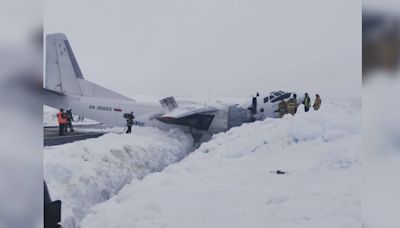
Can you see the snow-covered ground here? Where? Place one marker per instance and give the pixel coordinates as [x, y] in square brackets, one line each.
[85, 173]
[227, 182]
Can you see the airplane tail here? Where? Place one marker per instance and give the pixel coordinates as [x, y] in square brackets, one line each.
[63, 74]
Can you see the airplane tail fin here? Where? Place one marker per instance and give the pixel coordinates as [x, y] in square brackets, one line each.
[63, 74]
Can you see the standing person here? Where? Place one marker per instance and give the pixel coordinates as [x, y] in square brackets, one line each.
[317, 102]
[80, 118]
[70, 118]
[129, 122]
[62, 120]
[283, 108]
[306, 102]
[292, 105]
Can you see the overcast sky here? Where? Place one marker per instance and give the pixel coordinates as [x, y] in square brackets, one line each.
[19, 22]
[214, 47]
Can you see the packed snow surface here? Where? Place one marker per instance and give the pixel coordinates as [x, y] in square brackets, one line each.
[88, 172]
[230, 181]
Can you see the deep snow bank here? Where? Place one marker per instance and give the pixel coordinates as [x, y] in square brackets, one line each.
[228, 182]
[88, 172]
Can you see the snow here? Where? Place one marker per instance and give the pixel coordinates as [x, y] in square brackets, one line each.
[85, 173]
[229, 181]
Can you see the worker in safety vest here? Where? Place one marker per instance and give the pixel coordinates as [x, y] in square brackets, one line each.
[292, 105]
[306, 102]
[62, 121]
[317, 102]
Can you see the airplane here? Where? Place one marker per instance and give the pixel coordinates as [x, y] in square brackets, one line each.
[66, 87]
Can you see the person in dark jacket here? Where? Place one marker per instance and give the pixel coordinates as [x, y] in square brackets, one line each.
[129, 122]
[70, 118]
[306, 102]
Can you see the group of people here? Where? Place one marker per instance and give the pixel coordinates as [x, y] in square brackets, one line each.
[65, 121]
[290, 106]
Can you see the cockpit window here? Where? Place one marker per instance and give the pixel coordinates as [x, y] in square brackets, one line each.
[277, 93]
[284, 96]
[265, 99]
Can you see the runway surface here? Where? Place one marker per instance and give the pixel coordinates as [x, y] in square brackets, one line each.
[51, 137]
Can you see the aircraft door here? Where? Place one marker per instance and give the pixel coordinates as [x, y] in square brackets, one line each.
[254, 105]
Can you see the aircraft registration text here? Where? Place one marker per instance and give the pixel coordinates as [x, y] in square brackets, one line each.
[100, 108]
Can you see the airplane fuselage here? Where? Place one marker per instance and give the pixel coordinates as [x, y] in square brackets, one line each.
[111, 112]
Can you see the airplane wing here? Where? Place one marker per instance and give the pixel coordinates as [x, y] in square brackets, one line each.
[188, 111]
[195, 117]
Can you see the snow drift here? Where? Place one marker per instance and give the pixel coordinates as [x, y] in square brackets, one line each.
[85, 173]
[229, 181]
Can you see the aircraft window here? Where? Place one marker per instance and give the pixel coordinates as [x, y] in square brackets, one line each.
[261, 110]
[284, 96]
[265, 99]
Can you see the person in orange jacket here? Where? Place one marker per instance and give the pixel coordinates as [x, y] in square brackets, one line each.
[62, 121]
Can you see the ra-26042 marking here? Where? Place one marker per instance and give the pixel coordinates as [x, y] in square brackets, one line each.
[100, 108]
